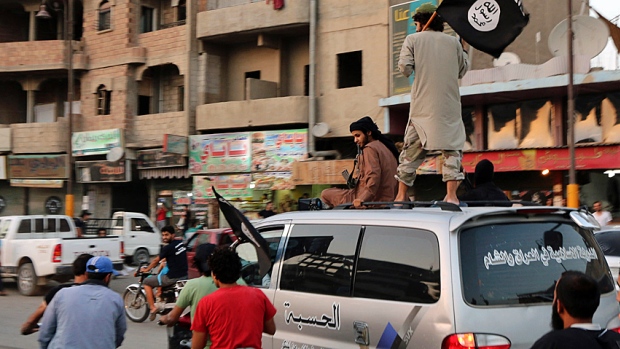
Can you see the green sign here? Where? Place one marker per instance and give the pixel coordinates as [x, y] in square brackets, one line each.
[96, 142]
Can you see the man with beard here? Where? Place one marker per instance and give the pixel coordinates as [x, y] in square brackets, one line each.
[575, 300]
[87, 316]
[376, 168]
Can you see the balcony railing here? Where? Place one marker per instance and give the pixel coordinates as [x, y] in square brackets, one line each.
[217, 4]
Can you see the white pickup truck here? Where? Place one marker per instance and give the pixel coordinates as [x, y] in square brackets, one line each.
[140, 235]
[35, 248]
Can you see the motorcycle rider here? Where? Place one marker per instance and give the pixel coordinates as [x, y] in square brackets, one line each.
[176, 259]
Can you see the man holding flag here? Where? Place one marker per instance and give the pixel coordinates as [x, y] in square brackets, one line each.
[435, 122]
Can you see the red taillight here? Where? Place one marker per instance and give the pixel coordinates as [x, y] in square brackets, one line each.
[617, 329]
[57, 255]
[122, 250]
[475, 341]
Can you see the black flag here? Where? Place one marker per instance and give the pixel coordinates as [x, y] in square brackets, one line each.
[245, 231]
[488, 25]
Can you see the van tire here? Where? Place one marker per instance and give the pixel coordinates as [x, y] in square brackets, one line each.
[27, 280]
[141, 256]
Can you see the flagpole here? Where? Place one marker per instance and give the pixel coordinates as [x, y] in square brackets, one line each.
[430, 20]
[572, 189]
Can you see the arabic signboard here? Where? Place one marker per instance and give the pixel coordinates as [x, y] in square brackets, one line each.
[175, 144]
[220, 153]
[229, 186]
[156, 158]
[600, 157]
[96, 142]
[103, 171]
[38, 166]
[273, 181]
[401, 25]
[37, 183]
[277, 150]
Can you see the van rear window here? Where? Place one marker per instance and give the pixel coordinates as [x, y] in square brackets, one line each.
[519, 263]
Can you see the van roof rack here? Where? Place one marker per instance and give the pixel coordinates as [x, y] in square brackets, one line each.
[445, 206]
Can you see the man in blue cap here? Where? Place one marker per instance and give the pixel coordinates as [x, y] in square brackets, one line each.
[68, 320]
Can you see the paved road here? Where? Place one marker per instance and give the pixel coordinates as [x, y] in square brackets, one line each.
[15, 308]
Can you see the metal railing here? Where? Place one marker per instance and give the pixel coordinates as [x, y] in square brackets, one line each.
[218, 4]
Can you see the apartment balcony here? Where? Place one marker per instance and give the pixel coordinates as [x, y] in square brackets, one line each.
[148, 130]
[255, 112]
[26, 56]
[165, 45]
[249, 17]
[39, 138]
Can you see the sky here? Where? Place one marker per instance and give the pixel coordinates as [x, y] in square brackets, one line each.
[608, 59]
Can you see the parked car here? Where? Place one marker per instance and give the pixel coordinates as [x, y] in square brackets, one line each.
[40, 247]
[445, 277]
[609, 240]
[217, 237]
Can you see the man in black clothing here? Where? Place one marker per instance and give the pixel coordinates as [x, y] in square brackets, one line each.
[484, 188]
[80, 223]
[79, 276]
[268, 211]
[174, 252]
[575, 300]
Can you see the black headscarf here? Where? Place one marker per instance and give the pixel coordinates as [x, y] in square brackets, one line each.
[484, 172]
[366, 124]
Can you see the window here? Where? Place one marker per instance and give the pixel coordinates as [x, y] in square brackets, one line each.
[38, 225]
[250, 271]
[306, 80]
[249, 75]
[350, 69]
[24, 226]
[64, 225]
[519, 263]
[144, 105]
[181, 11]
[147, 19]
[105, 11]
[4, 227]
[103, 100]
[181, 98]
[319, 259]
[139, 224]
[51, 225]
[408, 273]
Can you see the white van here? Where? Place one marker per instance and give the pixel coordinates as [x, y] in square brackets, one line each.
[424, 277]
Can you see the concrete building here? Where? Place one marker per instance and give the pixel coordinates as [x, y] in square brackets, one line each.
[149, 68]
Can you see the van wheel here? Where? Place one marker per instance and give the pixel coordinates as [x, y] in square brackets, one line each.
[141, 256]
[27, 280]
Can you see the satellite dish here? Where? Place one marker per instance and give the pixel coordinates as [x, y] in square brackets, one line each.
[591, 36]
[506, 58]
[114, 154]
[320, 129]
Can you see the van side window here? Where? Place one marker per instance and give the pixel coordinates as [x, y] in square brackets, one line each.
[139, 224]
[398, 264]
[24, 226]
[319, 259]
[119, 222]
[250, 271]
[64, 225]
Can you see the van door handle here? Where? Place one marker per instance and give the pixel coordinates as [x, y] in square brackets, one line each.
[362, 335]
[91, 246]
[133, 236]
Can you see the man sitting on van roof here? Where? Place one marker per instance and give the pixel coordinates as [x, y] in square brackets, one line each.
[576, 298]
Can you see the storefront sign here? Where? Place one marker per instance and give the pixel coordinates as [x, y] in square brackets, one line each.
[320, 172]
[220, 153]
[273, 181]
[3, 167]
[103, 171]
[156, 158]
[53, 205]
[96, 142]
[38, 166]
[600, 157]
[37, 183]
[230, 186]
[175, 144]
[277, 150]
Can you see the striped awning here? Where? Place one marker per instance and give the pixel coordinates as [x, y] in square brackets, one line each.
[170, 172]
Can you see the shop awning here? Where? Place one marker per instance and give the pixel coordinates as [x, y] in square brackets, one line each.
[170, 172]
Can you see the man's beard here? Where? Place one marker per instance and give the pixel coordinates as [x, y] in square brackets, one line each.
[556, 321]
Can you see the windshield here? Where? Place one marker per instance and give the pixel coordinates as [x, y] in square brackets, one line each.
[519, 263]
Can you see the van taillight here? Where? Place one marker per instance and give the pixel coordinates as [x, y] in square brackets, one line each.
[57, 255]
[475, 341]
[617, 329]
[122, 250]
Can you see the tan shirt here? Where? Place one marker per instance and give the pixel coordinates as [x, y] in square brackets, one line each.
[439, 61]
[377, 167]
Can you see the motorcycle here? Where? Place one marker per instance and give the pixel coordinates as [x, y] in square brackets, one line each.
[134, 298]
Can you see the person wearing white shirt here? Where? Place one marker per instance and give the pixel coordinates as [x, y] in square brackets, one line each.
[602, 217]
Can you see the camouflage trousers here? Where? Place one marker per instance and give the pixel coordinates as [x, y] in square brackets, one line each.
[413, 154]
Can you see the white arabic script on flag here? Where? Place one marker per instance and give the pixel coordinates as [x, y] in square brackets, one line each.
[484, 15]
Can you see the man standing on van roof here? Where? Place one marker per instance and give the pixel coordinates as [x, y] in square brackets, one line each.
[435, 121]
[87, 316]
[576, 298]
[376, 167]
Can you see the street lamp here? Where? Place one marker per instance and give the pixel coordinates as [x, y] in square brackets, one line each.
[68, 38]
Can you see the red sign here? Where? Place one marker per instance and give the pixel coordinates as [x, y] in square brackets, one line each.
[586, 158]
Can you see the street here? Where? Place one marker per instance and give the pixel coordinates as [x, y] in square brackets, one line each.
[15, 308]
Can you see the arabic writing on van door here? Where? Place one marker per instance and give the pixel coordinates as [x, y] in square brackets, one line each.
[546, 254]
[331, 321]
